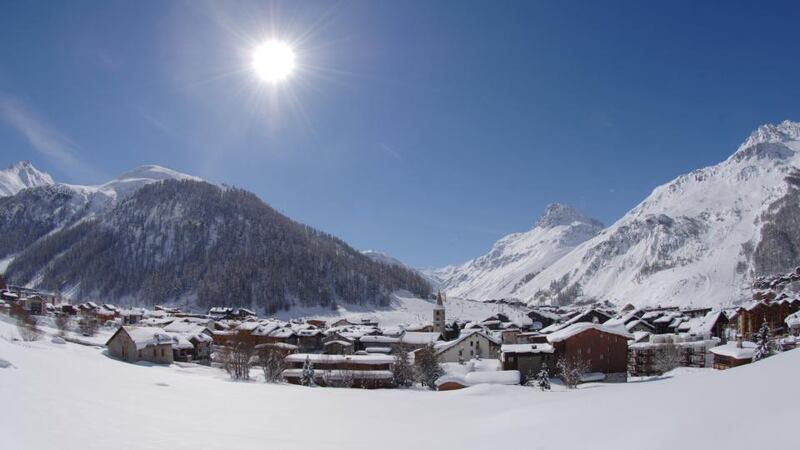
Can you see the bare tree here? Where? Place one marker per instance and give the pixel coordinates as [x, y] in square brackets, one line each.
[239, 355]
[428, 369]
[62, 324]
[571, 370]
[26, 325]
[402, 370]
[88, 326]
[272, 363]
[666, 358]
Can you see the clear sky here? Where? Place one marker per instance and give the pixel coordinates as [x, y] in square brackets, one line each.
[426, 129]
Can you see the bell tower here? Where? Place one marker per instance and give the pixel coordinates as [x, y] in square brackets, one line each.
[438, 314]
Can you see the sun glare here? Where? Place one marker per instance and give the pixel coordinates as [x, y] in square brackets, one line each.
[273, 61]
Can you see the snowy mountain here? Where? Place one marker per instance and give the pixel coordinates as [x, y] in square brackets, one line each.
[699, 239]
[20, 176]
[33, 213]
[153, 235]
[517, 259]
[382, 257]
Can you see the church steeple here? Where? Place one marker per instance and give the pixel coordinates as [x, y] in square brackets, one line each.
[439, 314]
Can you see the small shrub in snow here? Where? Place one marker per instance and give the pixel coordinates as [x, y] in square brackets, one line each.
[542, 379]
[307, 377]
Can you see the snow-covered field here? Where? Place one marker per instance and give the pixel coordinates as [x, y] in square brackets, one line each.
[409, 310]
[70, 396]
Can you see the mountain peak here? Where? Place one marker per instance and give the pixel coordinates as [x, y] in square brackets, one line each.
[556, 214]
[773, 134]
[22, 175]
[153, 172]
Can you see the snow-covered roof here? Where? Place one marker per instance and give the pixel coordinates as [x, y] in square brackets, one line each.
[504, 377]
[338, 342]
[145, 336]
[341, 374]
[419, 337]
[580, 327]
[793, 320]
[526, 348]
[747, 351]
[337, 359]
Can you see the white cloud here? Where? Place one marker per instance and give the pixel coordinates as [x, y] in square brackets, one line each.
[43, 138]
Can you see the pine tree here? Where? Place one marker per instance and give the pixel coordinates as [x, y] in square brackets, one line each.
[307, 379]
[543, 378]
[764, 345]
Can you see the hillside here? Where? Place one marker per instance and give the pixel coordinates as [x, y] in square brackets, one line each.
[156, 236]
[518, 258]
[699, 239]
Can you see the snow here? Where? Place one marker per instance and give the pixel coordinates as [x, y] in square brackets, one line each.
[111, 404]
[730, 349]
[501, 272]
[20, 176]
[681, 245]
[526, 348]
[337, 359]
[577, 328]
[502, 377]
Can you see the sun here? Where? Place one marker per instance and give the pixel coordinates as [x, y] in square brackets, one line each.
[273, 61]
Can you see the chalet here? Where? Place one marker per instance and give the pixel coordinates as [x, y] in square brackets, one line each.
[191, 347]
[337, 347]
[367, 371]
[310, 340]
[68, 309]
[134, 344]
[543, 318]
[733, 354]
[469, 345]
[131, 316]
[528, 359]
[691, 351]
[591, 315]
[749, 318]
[220, 312]
[604, 349]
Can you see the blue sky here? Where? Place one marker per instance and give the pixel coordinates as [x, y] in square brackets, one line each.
[423, 129]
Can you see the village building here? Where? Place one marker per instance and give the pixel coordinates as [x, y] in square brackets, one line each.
[439, 315]
[793, 324]
[134, 344]
[591, 315]
[364, 371]
[542, 318]
[528, 359]
[750, 317]
[469, 345]
[733, 354]
[604, 349]
[645, 358]
[337, 347]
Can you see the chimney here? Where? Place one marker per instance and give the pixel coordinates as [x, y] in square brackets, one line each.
[739, 342]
